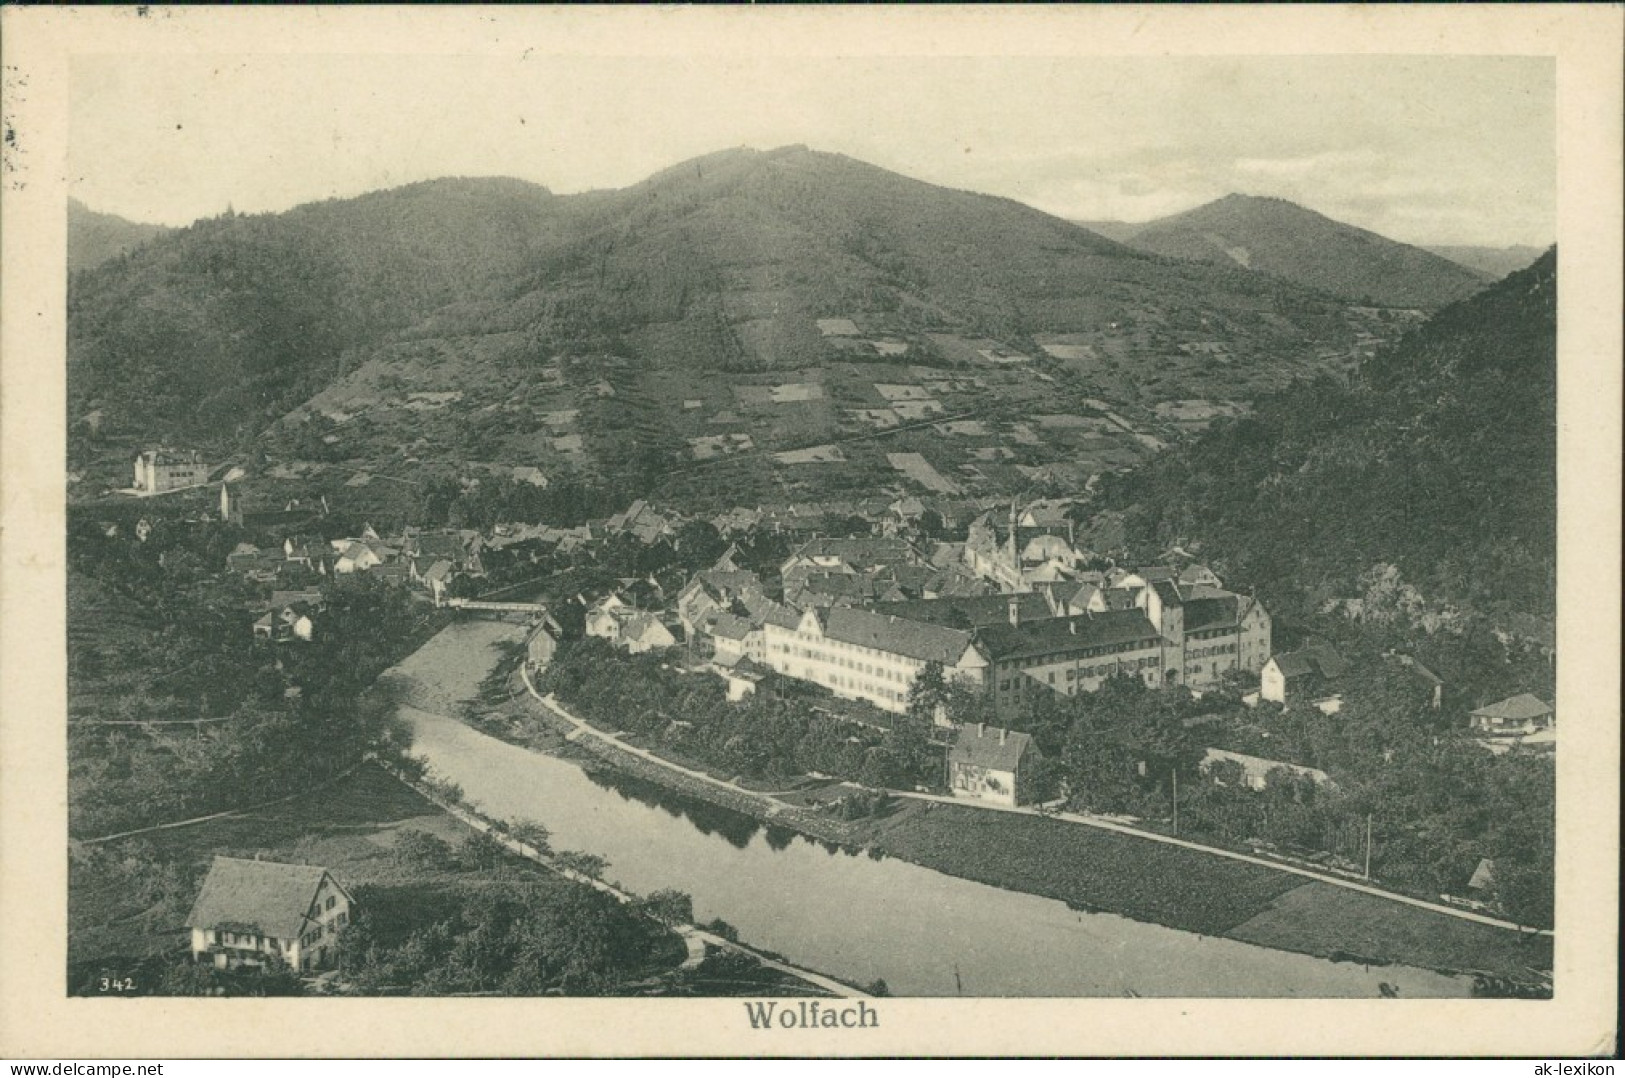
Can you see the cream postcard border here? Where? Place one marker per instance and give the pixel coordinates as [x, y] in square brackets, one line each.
[38, 1021]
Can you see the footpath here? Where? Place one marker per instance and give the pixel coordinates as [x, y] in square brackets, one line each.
[773, 806]
[695, 938]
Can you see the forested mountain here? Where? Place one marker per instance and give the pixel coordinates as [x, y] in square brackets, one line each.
[1281, 238]
[238, 316]
[1493, 262]
[93, 237]
[721, 262]
[1438, 461]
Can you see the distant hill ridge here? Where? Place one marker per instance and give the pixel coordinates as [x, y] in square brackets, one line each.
[1286, 240]
[94, 238]
[1440, 460]
[723, 262]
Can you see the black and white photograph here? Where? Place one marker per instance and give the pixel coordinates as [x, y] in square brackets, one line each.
[813, 528]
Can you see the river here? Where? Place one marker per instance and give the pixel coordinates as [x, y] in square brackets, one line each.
[855, 916]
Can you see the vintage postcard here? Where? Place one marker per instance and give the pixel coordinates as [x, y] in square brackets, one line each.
[715, 531]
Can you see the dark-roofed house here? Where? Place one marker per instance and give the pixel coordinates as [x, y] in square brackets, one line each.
[971, 612]
[1069, 655]
[712, 590]
[1308, 672]
[864, 655]
[732, 636]
[1516, 716]
[255, 912]
[991, 764]
[543, 642]
[862, 555]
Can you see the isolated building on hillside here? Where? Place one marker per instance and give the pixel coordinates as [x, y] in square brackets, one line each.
[253, 913]
[992, 764]
[159, 470]
[1307, 674]
[287, 621]
[1516, 716]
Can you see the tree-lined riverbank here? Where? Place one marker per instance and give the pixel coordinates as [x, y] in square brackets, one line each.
[662, 831]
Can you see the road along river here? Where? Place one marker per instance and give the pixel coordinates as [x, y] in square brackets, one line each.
[856, 916]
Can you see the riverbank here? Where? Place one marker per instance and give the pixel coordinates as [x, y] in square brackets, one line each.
[1092, 869]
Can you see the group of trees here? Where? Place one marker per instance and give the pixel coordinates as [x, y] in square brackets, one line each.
[515, 935]
[1438, 458]
[776, 734]
[1435, 801]
[156, 638]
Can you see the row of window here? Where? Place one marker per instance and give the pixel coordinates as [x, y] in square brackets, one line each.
[245, 939]
[851, 686]
[1220, 649]
[871, 669]
[315, 934]
[855, 649]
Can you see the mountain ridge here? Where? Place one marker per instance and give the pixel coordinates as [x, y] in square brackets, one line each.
[1439, 460]
[95, 237]
[722, 262]
[1266, 234]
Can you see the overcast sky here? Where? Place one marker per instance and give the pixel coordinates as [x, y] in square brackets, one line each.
[1422, 149]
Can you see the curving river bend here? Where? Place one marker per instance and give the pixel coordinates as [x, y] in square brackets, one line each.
[855, 916]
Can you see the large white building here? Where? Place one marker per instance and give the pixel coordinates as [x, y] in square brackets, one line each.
[863, 655]
[160, 470]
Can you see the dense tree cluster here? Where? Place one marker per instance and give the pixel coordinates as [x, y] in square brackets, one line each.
[1439, 461]
[776, 734]
[519, 936]
[1435, 801]
[156, 636]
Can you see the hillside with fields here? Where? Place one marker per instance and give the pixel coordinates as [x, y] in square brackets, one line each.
[762, 306]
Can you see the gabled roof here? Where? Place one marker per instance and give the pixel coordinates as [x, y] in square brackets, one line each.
[897, 636]
[1212, 613]
[1061, 636]
[725, 582]
[1317, 660]
[1167, 591]
[729, 626]
[857, 552]
[1118, 598]
[1515, 708]
[976, 611]
[986, 746]
[1194, 573]
[265, 897]
[641, 626]
[767, 612]
[440, 570]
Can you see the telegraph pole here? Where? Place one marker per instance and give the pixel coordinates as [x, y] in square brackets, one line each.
[1176, 803]
[1368, 845]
